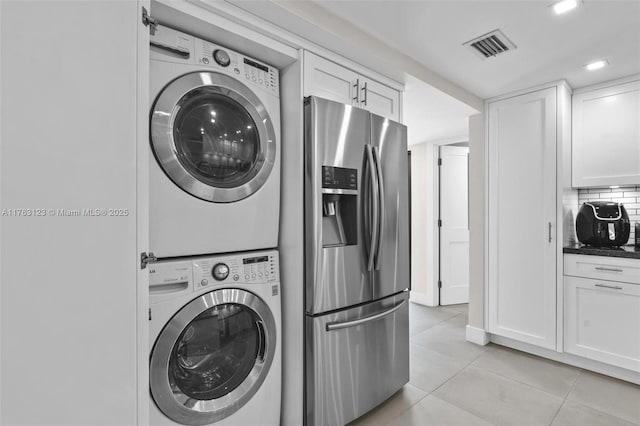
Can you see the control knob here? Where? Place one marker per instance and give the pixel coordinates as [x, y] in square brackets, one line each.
[220, 272]
[221, 57]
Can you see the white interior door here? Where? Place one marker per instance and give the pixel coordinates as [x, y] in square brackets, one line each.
[454, 229]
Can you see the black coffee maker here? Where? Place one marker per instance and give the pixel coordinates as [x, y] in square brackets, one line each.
[603, 224]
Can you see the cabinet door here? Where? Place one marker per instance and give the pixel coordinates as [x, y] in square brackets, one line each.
[602, 321]
[606, 136]
[69, 268]
[328, 80]
[379, 99]
[522, 212]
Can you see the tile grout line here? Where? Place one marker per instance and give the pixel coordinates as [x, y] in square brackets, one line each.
[451, 378]
[573, 385]
[529, 384]
[593, 408]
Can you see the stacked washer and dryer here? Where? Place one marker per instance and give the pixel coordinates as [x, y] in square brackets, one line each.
[214, 292]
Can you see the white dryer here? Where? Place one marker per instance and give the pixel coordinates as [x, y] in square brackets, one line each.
[215, 158]
[215, 333]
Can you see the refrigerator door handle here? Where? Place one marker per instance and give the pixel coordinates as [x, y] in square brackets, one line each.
[381, 207]
[333, 326]
[375, 225]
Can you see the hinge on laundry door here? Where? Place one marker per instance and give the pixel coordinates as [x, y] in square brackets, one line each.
[439, 284]
[148, 21]
[439, 161]
[145, 259]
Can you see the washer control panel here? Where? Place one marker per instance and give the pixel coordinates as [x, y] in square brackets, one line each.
[250, 71]
[247, 268]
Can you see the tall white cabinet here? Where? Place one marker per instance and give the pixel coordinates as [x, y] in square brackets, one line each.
[70, 205]
[522, 150]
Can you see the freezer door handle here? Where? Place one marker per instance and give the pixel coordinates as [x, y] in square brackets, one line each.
[375, 225]
[381, 207]
[333, 326]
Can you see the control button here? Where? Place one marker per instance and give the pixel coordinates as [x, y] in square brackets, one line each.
[204, 282]
[236, 70]
[246, 277]
[253, 78]
[221, 57]
[260, 81]
[253, 275]
[205, 60]
[236, 277]
[260, 274]
[247, 75]
[266, 274]
[220, 272]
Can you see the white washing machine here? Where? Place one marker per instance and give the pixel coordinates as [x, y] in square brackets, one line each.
[215, 335]
[215, 158]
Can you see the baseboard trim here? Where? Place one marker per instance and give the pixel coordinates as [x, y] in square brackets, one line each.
[477, 335]
[576, 361]
[420, 298]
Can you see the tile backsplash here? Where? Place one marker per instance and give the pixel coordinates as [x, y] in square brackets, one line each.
[627, 195]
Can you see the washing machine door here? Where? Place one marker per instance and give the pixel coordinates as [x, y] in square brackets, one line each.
[213, 137]
[212, 356]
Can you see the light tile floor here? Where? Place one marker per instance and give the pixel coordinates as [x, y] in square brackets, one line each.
[454, 382]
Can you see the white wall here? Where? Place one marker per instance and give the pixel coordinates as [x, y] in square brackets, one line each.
[421, 251]
[476, 220]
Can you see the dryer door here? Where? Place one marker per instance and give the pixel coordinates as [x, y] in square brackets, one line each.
[213, 137]
[212, 356]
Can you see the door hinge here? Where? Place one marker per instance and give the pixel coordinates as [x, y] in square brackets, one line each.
[439, 284]
[145, 259]
[148, 21]
[149, 314]
[439, 161]
[439, 223]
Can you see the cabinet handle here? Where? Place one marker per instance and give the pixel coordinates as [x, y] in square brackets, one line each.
[356, 86]
[549, 231]
[614, 287]
[601, 268]
[364, 89]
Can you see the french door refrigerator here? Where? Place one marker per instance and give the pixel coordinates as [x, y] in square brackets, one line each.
[356, 261]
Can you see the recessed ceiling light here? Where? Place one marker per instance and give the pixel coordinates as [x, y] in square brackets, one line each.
[564, 6]
[597, 65]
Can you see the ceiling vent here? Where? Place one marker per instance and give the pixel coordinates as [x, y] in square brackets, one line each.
[490, 45]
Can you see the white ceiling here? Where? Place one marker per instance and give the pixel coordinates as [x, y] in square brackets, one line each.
[549, 47]
[424, 39]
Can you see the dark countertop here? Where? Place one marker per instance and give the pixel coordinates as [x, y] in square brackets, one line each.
[627, 251]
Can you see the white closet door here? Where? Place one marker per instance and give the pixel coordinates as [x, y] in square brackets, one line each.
[522, 218]
[454, 232]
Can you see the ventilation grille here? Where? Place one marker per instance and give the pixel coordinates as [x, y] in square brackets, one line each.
[490, 45]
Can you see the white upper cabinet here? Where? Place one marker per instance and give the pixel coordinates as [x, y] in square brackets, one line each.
[523, 233]
[329, 80]
[606, 136]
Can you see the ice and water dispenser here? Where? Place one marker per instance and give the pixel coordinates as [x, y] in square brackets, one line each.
[339, 206]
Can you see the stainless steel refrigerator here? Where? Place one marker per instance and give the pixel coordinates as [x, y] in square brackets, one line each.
[356, 261]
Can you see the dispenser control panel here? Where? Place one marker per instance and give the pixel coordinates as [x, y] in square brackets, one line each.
[339, 178]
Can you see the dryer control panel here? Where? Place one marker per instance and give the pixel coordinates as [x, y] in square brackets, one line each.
[248, 268]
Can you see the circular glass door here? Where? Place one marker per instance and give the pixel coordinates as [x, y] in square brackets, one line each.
[212, 356]
[213, 137]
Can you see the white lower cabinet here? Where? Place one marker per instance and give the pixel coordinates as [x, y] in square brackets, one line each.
[602, 319]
